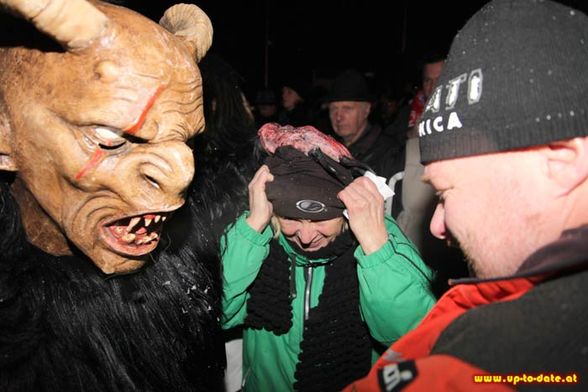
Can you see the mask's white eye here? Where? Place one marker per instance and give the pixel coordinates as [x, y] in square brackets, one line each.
[109, 138]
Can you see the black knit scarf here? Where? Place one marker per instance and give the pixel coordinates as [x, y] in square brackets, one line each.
[336, 346]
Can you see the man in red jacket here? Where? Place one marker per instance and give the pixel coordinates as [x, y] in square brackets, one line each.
[504, 138]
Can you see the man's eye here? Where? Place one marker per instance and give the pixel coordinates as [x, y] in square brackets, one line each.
[109, 138]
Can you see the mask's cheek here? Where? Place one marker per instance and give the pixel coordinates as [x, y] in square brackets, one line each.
[49, 155]
[46, 143]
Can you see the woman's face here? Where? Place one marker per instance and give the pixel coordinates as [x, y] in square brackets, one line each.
[311, 235]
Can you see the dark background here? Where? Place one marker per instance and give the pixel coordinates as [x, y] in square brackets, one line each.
[273, 40]
[317, 39]
[268, 41]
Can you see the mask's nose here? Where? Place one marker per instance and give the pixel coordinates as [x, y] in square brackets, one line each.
[162, 174]
[171, 168]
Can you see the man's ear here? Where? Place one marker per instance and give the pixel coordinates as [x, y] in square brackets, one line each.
[367, 109]
[567, 163]
[7, 162]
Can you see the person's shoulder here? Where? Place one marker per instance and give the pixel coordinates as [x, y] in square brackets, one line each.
[388, 138]
[389, 148]
[537, 329]
[400, 123]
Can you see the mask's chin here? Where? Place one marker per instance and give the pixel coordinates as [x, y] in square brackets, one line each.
[112, 263]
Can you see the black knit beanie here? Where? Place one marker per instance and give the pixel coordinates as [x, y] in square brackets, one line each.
[303, 188]
[516, 76]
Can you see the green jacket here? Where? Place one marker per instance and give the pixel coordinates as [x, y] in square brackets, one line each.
[394, 286]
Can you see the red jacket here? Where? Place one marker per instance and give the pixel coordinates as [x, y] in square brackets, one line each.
[532, 322]
[438, 372]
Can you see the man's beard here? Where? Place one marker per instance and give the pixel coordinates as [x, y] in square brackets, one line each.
[452, 242]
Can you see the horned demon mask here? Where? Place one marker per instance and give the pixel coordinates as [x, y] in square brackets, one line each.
[97, 132]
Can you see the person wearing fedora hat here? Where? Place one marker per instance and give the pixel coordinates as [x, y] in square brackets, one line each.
[350, 103]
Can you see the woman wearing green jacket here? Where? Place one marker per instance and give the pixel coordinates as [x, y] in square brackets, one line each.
[317, 292]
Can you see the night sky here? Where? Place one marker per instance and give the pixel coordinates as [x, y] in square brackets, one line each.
[316, 39]
[274, 40]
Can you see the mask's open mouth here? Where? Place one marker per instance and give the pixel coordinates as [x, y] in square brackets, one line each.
[134, 235]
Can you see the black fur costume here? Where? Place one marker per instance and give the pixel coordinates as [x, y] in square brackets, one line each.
[65, 326]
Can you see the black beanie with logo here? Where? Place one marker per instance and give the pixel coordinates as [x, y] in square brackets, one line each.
[303, 188]
[516, 76]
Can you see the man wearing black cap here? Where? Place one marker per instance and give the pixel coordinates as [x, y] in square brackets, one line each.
[505, 142]
[350, 103]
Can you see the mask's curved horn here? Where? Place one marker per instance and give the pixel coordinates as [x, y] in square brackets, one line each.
[73, 23]
[191, 23]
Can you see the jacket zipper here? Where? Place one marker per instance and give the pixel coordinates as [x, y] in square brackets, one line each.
[245, 376]
[292, 277]
[308, 273]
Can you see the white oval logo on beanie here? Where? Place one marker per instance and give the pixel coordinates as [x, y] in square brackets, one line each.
[310, 206]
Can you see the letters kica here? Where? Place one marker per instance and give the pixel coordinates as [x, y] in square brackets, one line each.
[474, 93]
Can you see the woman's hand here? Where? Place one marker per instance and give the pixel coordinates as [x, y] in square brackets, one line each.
[365, 207]
[260, 209]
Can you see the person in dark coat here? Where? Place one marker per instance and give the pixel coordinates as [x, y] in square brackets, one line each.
[350, 103]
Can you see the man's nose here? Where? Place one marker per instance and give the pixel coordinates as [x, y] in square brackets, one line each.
[437, 225]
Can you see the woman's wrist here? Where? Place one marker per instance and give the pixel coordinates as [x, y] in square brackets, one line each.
[256, 224]
[373, 242]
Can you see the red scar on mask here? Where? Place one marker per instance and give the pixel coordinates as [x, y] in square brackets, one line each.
[135, 127]
[98, 155]
[93, 162]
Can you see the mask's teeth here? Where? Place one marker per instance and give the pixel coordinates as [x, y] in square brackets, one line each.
[163, 218]
[157, 218]
[147, 221]
[128, 238]
[133, 223]
[119, 230]
[144, 240]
